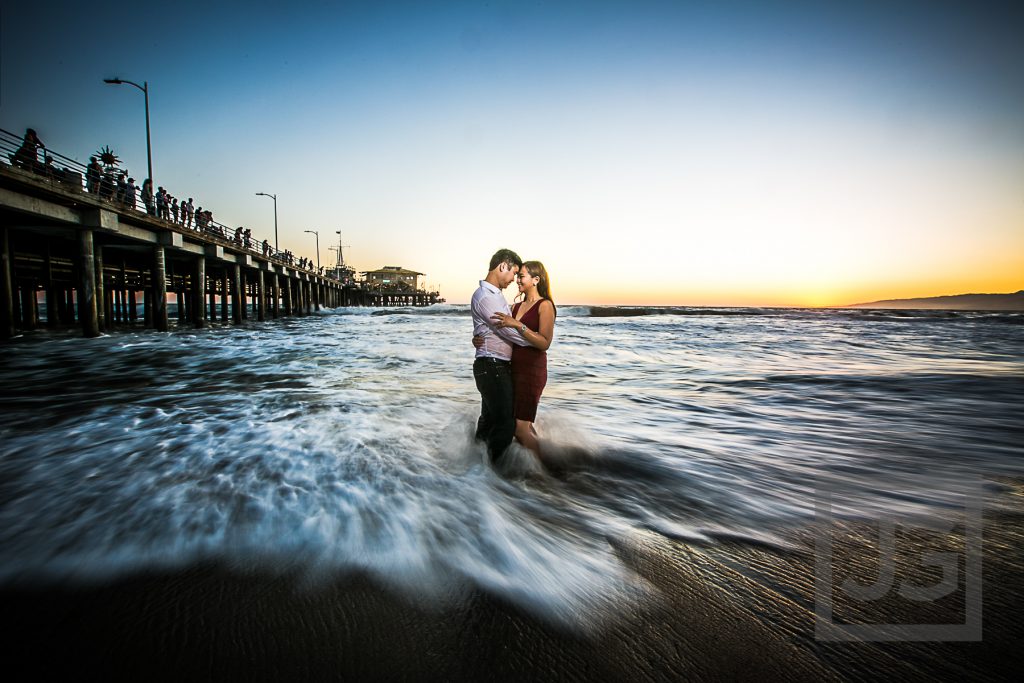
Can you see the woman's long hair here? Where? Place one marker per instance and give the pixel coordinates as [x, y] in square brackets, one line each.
[537, 269]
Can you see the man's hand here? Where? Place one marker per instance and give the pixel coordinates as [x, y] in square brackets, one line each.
[478, 341]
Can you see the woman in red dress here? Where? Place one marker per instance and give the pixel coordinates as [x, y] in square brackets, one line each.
[534, 317]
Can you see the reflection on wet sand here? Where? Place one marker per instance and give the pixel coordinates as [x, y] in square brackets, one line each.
[717, 611]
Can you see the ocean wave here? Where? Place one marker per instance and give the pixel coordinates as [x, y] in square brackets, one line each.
[598, 311]
[590, 311]
[631, 311]
[435, 309]
[575, 311]
[925, 315]
[344, 441]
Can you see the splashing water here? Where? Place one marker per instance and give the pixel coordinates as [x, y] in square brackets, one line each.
[344, 442]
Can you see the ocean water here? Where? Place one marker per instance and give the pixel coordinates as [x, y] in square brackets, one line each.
[343, 442]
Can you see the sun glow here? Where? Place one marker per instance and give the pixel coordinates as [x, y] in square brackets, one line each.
[653, 153]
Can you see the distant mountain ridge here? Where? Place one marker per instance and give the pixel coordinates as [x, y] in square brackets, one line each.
[957, 302]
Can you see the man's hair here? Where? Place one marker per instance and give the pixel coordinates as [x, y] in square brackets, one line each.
[506, 256]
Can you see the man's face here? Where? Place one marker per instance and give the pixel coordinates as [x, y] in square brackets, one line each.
[507, 274]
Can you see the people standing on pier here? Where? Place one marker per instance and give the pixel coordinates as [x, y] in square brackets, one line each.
[174, 209]
[107, 184]
[129, 194]
[147, 196]
[212, 227]
[51, 172]
[27, 156]
[121, 188]
[492, 367]
[534, 319]
[161, 204]
[93, 174]
[188, 210]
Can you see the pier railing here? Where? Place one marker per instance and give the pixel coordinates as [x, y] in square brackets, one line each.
[73, 176]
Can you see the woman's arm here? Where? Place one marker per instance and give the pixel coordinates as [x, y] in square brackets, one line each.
[540, 339]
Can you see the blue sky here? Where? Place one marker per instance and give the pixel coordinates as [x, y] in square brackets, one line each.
[692, 153]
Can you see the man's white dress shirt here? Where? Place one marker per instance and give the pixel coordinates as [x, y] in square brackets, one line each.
[488, 300]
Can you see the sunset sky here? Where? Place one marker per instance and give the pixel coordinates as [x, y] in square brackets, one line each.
[721, 153]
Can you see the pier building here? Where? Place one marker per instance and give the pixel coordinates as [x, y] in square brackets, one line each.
[393, 277]
[398, 286]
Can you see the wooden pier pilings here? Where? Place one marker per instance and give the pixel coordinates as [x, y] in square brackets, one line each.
[89, 259]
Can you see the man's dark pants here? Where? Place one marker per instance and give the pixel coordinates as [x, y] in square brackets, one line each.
[497, 423]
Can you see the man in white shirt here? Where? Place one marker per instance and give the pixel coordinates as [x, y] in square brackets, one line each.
[492, 368]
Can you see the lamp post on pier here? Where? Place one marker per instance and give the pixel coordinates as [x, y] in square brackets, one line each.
[274, 197]
[149, 147]
[317, 248]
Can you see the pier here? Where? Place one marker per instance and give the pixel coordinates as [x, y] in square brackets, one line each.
[75, 252]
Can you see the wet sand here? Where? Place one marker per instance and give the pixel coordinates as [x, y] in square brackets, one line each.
[722, 611]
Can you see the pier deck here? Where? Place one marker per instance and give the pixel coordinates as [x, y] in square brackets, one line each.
[94, 259]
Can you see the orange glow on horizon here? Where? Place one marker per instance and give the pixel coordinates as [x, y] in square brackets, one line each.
[820, 296]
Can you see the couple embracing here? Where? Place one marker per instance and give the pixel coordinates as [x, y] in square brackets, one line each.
[511, 366]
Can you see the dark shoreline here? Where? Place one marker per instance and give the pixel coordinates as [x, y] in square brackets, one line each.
[718, 612]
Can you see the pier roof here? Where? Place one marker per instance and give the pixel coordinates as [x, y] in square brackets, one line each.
[392, 270]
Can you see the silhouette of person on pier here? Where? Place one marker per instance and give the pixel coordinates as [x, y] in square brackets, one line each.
[129, 193]
[212, 227]
[161, 204]
[93, 176]
[107, 185]
[147, 197]
[27, 156]
[121, 193]
[51, 172]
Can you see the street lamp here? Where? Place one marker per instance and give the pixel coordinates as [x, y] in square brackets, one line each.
[317, 247]
[274, 197]
[149, 148]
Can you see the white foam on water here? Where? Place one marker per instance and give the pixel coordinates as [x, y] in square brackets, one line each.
[344, 442]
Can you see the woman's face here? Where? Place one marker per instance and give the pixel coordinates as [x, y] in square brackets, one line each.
[526, 280]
